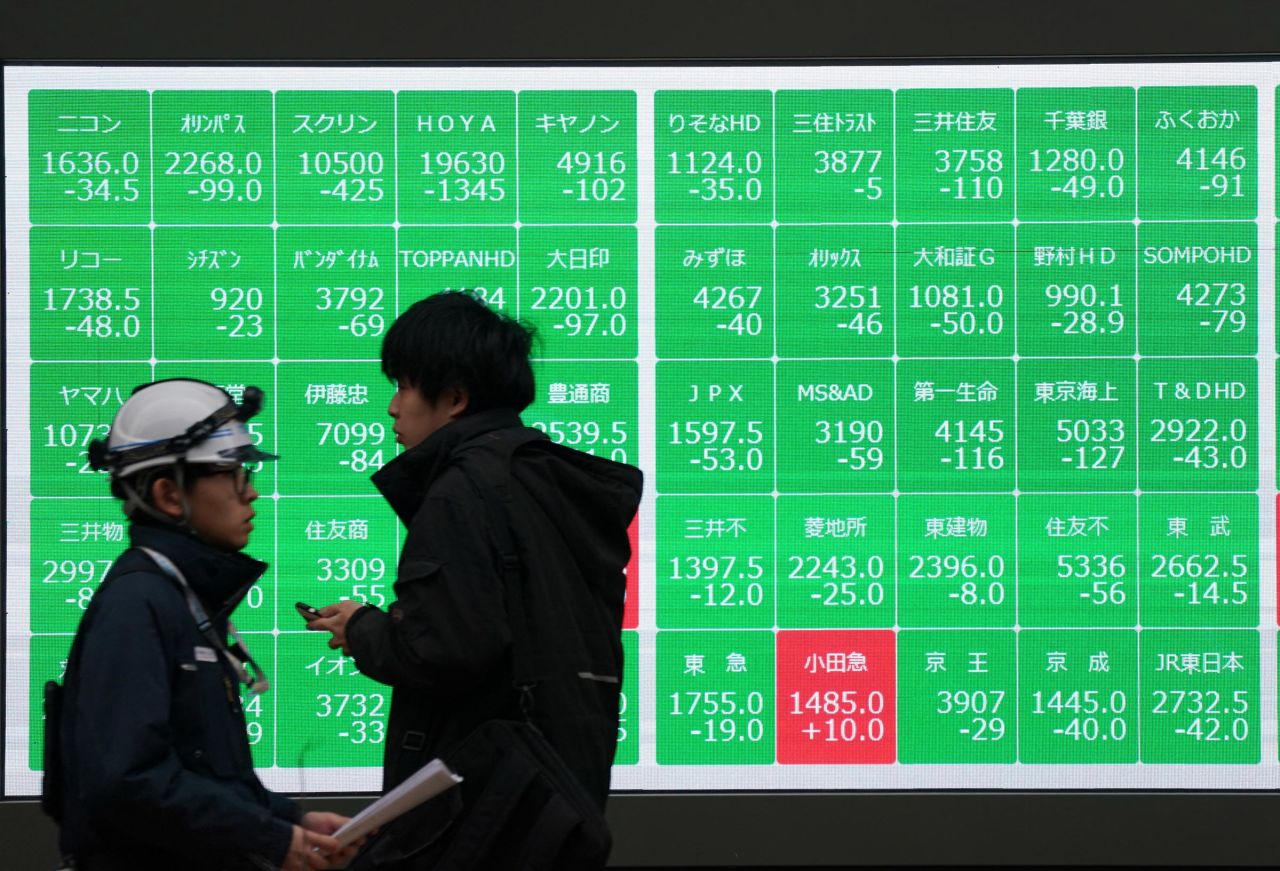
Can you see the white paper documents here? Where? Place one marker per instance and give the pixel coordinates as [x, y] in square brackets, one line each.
[427, 782]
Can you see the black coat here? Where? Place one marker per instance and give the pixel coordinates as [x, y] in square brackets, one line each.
[444, 646]
[158, 770]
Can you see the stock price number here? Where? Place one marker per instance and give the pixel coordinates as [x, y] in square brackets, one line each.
[729, 715]
[218, 175]
[364, 303]
[589, 436]
[981, 707]
[596, 175]
[364, 574]
[459, 176]
[368, 722]
[351, 176]
[1084, 310]
[841, 576]
[583, 311]
[841, 710]
[722, 578]
[364, 440]
[96, 175]
[986, 454]
[1084, 707]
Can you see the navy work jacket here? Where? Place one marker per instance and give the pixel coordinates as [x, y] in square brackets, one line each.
[158, 773]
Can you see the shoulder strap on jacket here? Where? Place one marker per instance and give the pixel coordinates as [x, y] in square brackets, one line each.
[494, 489]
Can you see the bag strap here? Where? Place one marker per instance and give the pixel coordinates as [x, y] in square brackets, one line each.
[496, 496]
[241, 660]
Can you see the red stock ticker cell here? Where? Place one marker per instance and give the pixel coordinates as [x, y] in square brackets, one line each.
[631, 610]
[836, 697]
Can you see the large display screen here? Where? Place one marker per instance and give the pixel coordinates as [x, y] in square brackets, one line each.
[953, 387]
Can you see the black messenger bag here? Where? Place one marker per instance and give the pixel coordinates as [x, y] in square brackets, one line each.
[518, 808]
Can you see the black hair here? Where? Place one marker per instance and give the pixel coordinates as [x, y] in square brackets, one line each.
[453, 339]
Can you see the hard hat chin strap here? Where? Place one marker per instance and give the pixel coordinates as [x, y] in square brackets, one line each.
[141, 501]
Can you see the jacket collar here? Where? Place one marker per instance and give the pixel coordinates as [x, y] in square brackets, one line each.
[219, 577]
[404, 481]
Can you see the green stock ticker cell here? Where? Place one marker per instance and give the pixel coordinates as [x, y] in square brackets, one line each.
[481, 260]
[1078, 561]
[836, 562]
[579, 290]
[578, 157]
[1199, 424]
[337, 716]
[1077, 426]
[1197, 152]
[835, 427]
[715, 562]
[955, 422]
[957, 561]
[73, 545]
[339, 432]
[337, 291]
[457, 157]
[1198, 288]
[589, 406]
[835, 291]
[714, 291]
[332, 549]
[1076, 290]
[715, 424]
[957, 696]
[336, 157]
[214, 157]
[90, 294]
[217, 292]
[955, 291]
[713, 154]
[629, 714]
[1078, 700]
[1201, 566]
[715, 698]
[1200, 696]
[90, 157]
[955, 156]
[835, 158]
[1076, 154]
[71, 405]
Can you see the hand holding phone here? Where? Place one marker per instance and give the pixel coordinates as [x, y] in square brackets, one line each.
[308, 613]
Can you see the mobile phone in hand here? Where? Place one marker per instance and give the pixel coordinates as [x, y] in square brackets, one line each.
[306, 610]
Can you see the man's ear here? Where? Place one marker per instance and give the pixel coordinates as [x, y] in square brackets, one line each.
[166, 496]
[457, 401]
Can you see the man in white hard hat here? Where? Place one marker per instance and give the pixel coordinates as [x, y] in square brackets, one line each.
[149, 764]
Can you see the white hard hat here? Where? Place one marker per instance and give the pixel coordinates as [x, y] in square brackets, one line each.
[179, 419]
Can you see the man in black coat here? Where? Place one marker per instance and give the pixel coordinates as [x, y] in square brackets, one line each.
[157, 773]
[445, 645]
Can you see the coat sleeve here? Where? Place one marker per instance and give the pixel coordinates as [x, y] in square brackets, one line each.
[131, 780]
[447, 628]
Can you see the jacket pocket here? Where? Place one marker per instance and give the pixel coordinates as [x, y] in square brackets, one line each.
[410, 574]
[413, 570]
[203, 716]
